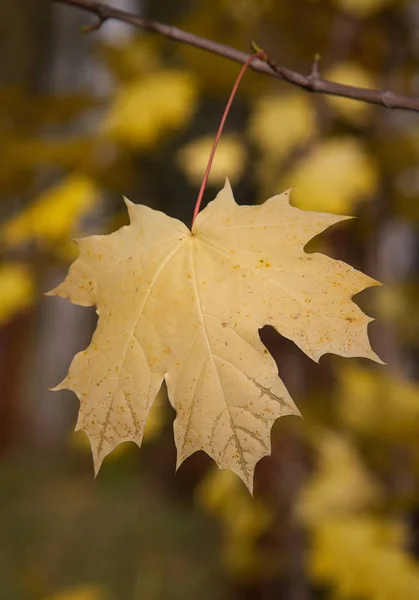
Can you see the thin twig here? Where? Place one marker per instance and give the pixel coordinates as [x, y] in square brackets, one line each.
[311, 83]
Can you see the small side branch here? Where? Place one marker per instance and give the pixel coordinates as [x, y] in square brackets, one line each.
[311, 83]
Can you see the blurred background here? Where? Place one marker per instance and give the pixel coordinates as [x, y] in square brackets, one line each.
[87, 118]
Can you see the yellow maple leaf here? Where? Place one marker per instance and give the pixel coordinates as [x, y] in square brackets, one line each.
[186, 306]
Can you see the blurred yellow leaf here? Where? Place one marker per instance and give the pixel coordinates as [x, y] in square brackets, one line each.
[53, 215]
[397, 305]
[354, 552]
[362, 8]
[230, 157]
[216, 489]
[335, 176]
[16, 289]
[146, 109]
[132, 58]
[379, 405]
[25, 155]
[340, 484]
[82, 592]
[279, 124]
[350, 73]
[363, 557]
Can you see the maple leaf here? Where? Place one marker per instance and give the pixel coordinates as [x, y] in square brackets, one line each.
[186, 306]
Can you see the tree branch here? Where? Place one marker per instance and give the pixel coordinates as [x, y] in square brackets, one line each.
[311, 83]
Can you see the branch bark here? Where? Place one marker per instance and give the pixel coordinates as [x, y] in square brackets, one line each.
[311, 83]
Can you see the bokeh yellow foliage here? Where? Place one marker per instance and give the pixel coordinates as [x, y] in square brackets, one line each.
[363, 557]
[354, 550]
[395, 303]
[378, 404]
[333, 177]
[132, 58]
[229, 159]
[341, 484]
[146, 109]
[281, 123]
[350, 73]
[54, 214]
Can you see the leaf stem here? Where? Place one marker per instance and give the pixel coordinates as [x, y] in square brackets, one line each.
[260, 55]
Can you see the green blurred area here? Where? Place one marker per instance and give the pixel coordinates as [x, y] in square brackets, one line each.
[85, 119]
[61, 530]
